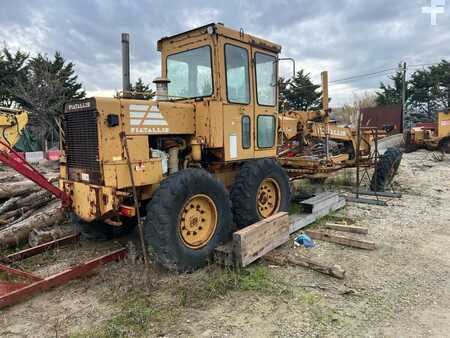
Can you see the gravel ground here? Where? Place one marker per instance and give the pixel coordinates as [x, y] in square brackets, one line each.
[402, 289]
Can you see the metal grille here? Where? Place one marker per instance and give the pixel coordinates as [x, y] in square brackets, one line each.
[81, 141]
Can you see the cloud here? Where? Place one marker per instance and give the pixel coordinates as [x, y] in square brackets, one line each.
[346, 37]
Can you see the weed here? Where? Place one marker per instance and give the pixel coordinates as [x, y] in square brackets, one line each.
[132, 319]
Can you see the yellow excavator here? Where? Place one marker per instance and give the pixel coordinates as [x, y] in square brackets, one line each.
[12, 123]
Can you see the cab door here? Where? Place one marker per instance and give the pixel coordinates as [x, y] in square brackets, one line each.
[238, 108]
[265, 96]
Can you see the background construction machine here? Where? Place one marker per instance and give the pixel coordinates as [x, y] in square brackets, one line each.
[432, 135]
[314, 146]
[12, 122]
[196, 161]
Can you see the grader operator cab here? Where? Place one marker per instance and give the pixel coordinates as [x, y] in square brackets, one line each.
[199, 160]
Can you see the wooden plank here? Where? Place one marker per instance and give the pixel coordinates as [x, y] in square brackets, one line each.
[256, 240]
[224, 255]
[319, 202]
[347, 241]
[330, 208]
[300, 221]
[347, 228]
[279, 259]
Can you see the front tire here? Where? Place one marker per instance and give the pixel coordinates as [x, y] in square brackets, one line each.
[188, 217]
[260, 190]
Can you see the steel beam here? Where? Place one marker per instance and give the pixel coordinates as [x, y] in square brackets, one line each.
[60, 278]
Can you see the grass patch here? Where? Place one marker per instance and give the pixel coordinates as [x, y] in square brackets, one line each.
[133, 318]
[220, 282]
[344, 178]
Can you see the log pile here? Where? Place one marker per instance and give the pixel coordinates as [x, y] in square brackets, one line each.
[24, 206]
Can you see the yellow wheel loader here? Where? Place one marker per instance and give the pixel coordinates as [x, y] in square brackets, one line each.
[196, 162]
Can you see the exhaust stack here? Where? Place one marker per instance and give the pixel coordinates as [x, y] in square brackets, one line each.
[126, 84]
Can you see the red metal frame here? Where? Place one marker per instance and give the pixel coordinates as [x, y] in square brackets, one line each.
[26, 169]
[11, 293]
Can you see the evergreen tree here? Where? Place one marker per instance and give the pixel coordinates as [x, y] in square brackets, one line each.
[391, 94]
[13, 69]
[300, 93]
[427, 92]
[142, 91]
[47, 86]
[139, 90]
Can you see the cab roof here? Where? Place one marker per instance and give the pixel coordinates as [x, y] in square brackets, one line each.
[220, 29]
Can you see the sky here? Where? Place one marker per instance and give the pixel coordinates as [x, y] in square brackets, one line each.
[345, 37]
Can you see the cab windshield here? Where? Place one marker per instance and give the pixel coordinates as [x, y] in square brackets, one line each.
[190, 73]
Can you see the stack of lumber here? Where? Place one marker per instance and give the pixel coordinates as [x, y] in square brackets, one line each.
[24, 206]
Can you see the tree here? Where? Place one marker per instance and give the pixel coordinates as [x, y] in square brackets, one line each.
[300, 93]
[140, 91]
[282, 90]
[47, 86]
[13, 69]
[427, 92]
[349, 112]
[391, 94]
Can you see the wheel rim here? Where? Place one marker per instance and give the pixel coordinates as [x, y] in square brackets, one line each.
[198, 221]
[268, 197]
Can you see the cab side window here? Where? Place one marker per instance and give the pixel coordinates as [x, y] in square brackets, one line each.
[237, 76]
[266, 89]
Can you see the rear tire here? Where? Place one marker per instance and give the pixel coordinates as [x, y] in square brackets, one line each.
[187, 218]
[387, 168]
[445, 146]
[260, 190]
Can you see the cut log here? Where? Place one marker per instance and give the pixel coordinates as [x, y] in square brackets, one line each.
[26, 214]
[279, 259]
[9, 204]
[8, 190]
[11, 178]
[38, 237]
[347, 241]
[21, 211]
[347, 228]
[18, 232]
[31, 200]
[257, 239]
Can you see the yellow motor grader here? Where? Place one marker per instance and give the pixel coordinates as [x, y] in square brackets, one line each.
[314, 146]
[431, 136]
[196, 162]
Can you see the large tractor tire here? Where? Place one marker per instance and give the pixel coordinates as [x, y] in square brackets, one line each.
[260, 190]
[386, 169]
[187, 218]
[445, 146]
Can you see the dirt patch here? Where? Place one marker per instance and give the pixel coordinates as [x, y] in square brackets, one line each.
[402, 288]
